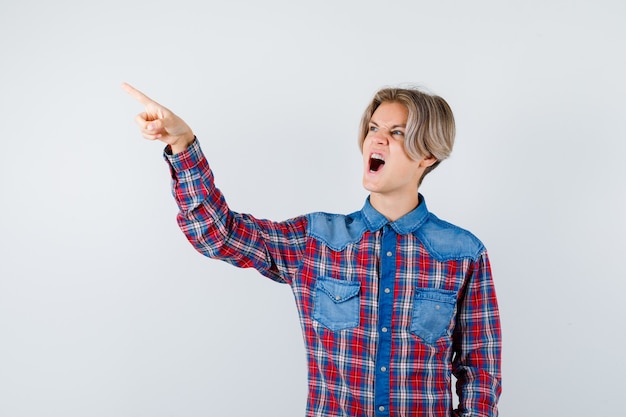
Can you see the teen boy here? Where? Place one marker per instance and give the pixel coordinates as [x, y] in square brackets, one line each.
[392, 300]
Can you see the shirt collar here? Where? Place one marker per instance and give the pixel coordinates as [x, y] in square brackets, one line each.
[408, 223]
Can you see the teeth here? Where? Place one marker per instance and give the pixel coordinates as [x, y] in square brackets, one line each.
[377, 156]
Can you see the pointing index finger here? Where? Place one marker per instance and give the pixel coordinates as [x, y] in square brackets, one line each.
[137, 95]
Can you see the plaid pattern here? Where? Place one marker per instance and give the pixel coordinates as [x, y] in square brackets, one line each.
[368, 355]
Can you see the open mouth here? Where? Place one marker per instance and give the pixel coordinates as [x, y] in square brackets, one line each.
[376, 162]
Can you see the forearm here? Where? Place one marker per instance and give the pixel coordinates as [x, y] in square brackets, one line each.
[478, 390]
[217, 232]
[204, 216]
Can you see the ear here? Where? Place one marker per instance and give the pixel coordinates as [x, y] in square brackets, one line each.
[427, 161]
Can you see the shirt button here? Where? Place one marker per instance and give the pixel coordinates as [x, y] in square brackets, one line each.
[383, 368]
[437, 307]
[384, 330]
[387, 290]
[337, 298]
[389, 253]
[381, 408]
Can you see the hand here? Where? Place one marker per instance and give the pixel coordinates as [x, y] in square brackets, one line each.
[158, 123]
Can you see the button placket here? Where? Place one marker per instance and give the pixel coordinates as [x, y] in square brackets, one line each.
[385, 313]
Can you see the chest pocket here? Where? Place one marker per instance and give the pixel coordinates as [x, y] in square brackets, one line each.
[337, 303]
[433, 310]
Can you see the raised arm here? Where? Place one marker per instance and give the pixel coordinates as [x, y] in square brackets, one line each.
[159, 123]
[273, 248]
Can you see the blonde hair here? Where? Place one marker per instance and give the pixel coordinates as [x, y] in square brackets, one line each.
[430, 126]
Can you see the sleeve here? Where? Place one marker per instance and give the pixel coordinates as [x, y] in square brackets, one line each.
[275, 249]
[477, 345]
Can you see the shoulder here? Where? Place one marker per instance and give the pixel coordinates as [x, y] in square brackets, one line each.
[336, 230]
[445, 241]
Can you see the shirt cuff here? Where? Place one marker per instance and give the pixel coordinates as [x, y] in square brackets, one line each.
[186, 159]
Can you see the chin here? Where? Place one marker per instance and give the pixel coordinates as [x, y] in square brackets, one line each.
[372, 188]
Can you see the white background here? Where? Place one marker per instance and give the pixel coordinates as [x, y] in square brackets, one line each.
[106, 310]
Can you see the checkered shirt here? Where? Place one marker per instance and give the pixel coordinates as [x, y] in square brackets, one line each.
[389, 310]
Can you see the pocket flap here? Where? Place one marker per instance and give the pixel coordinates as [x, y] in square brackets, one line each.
[443, 296]
[337, 290]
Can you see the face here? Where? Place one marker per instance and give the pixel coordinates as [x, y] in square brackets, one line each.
[388, 170]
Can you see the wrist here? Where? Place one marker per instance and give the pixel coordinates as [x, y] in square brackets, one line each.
[182, 143]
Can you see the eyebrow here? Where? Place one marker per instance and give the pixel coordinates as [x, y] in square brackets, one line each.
[393, 127]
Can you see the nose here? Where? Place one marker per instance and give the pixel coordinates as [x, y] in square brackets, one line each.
[381, 136]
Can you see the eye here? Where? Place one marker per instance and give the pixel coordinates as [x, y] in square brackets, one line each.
[373, 128]
[397, 133]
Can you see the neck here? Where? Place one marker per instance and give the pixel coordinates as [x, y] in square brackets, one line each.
[394, 208]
